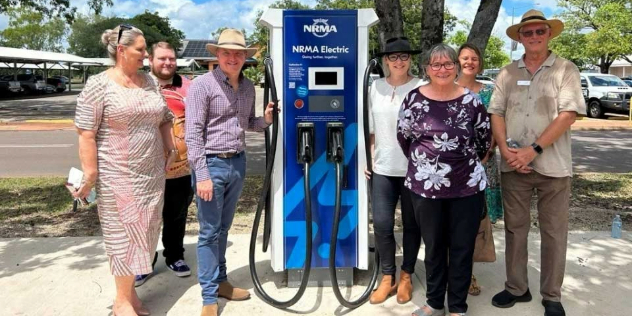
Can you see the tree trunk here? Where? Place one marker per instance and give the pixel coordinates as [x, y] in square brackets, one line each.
[431, 25]
[484, 23]
[605, 63]
[391, 23]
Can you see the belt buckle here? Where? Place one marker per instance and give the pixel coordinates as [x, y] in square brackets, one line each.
[225, 155]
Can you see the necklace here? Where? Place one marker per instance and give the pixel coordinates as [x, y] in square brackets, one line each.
[408, 78]
[127, 81]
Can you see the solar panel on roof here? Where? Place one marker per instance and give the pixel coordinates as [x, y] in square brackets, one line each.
[197, 48]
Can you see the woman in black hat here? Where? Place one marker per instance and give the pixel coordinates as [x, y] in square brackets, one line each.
[389, 169]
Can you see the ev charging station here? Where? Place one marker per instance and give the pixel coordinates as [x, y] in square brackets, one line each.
[318, 170]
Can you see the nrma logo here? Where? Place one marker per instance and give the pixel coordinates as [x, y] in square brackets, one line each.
[320, 28]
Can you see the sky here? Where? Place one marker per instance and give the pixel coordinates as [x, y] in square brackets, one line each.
[199, 18]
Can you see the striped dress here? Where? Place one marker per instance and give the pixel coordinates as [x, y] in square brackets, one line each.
[131, 176]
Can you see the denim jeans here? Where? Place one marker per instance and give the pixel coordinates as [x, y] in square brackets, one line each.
[387, 191]
[215, 218]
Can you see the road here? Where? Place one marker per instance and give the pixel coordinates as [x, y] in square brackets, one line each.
[37, 153]
[53, 153]
[59, 106]
[49, 107]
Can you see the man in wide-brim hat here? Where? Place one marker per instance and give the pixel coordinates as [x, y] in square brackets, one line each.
[219, 111]
[231, 39]
[535, 102]
[535, 17]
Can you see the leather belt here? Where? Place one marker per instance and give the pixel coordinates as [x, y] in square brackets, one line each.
[226, 155]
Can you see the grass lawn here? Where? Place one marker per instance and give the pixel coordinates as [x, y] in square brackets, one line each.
[42, 207]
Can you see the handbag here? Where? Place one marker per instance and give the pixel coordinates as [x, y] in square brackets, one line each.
[180, 166]
[484, 249]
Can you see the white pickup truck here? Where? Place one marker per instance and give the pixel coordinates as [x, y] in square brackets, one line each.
[605, 93]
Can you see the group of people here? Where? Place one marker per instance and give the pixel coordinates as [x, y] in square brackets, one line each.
[148, 142]
[433, 148]
[151, 142]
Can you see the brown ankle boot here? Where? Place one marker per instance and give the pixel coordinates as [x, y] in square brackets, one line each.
[209, 310]
[405, 288]
[227, 291]
[387, 288]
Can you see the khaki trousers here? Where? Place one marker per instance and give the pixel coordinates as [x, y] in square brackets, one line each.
[553, 203]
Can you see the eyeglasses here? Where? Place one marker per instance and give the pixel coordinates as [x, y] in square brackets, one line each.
[402, 57]
[540, 32]
[122, 28]
[437, 66]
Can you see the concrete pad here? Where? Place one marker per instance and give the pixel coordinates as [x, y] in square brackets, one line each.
[70, 276]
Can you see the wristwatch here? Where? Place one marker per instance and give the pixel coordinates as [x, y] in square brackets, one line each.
[537, 148]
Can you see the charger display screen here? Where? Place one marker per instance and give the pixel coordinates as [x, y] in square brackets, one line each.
[326, 78]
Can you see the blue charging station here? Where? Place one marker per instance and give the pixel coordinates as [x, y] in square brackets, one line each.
[319, 59]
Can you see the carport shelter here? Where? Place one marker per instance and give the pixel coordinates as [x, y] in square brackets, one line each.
[17, 58]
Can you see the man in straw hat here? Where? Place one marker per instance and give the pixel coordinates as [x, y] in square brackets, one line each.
[220, 107]
[535, 102]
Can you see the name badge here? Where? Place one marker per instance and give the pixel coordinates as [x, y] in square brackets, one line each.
[524, 82]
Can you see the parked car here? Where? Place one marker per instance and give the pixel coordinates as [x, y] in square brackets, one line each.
[58, 83]
[64, 79]
[485, 78]
[35, 84]
[487, 83]
[627, 78]
[605, 92]
[628, 82]
[32, 83]
[9, 86]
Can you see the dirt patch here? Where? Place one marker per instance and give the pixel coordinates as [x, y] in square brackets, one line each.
[41, 207]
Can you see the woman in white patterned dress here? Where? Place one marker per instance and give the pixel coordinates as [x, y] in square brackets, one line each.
[125, 143]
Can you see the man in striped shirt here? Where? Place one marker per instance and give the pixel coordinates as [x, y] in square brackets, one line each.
[220, 108]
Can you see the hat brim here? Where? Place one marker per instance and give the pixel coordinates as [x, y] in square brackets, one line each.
[556, 26]
[214, 47]
[412, 52]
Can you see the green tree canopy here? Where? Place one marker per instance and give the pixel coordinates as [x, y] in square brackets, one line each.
[597, 32]
[494, 56]
[52, 8]
[85, 39]
[33, 30]
[160, 28]
[260, 34]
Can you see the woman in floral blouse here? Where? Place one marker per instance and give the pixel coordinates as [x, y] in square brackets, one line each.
[444, 131]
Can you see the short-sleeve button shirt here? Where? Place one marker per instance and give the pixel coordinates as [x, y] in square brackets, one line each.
[529, 103]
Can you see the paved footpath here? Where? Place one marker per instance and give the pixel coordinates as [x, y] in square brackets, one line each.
[70, 276]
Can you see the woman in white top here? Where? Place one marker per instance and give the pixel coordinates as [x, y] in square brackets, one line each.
[389, 168]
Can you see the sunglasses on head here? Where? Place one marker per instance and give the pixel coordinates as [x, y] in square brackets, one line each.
[122, 28]
[540, 32]
[402, 57]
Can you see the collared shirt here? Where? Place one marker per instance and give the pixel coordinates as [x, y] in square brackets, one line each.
[217, 117]
[530, 102]
[444, 141]
[174, 91]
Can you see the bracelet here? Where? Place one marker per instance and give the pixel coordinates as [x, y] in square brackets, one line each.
[173, 150]
[89, 183]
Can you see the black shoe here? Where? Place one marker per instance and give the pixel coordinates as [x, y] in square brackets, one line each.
[505, 299]
[553, 308]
